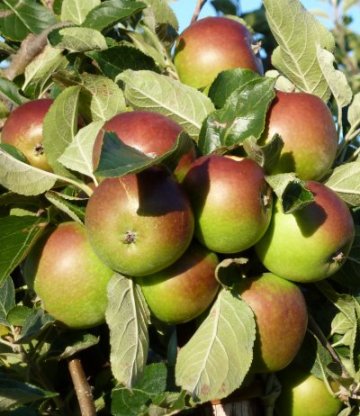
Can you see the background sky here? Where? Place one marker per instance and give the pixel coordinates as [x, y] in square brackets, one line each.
[184, 10]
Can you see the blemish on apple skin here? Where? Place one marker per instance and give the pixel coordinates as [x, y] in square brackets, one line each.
[129, 237]
[339, 257]
[39, 149]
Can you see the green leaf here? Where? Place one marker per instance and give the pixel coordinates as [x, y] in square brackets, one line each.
[290, 191]
[265, 155]
[77, 10]
[243, 116]
[70, 343]
[18, 315]
[117, 59]
[26, 16]
[354, 111]
[10, 91]
[344, 180]
[17, 235]
[227, 272]
[60, 125]
[74, 212]
[77, 39]
[218, 356]
[159, 93]
[298, 33]
[78, 155]
[34, 325]
[110, 12]
[336, 79]
[159, 13]
[127, 316]
[7, 297]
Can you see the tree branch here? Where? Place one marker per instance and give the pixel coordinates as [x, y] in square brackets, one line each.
[199, 5]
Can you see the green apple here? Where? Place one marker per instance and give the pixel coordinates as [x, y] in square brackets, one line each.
[184, 290]
[313, 242]
[308, 131]
[303, 394]
[139, 223]
[212, 45]
[70, 279]
[281, 319]
[23, 129]
[231, 202]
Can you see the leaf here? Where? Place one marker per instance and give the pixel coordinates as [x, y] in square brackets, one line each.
[26, 16]
[336, 79]
[7, 298]
[76, 10]
[298, 33]
[22, 178]
[354, 111]
[290, 191]
[159, 13]
[117, 59]
[344, 180]
[17, 235]
[77, 39]
[265, 155]
[60, 125]
[218, 356]
[78, 155]
[150, 91]
[227, 272]
[10, 91]
[74, 212]
[242, 116]
[110, 12]
[127, 316]
[70, 343]
[34, 325]
[18, 315]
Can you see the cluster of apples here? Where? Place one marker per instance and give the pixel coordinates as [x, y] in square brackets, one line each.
[169, 230]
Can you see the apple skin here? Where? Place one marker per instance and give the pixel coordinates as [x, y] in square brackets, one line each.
[303, 394]
[281, 319]
[231, 202]
[212, 45]
[184, 290]
[312, 243]
[23, 130]
[139, 223]
[305, 124]
[70, 279]
[151, 133]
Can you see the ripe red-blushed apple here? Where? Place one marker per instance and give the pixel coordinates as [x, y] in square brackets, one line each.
[313, 242]
[23, 129]
[303, 394]
[212, 45]
[231, 202]
[70, 279]
[139, 223]
[185, 289]
[151, 133]
[308, 131]
[281, 320]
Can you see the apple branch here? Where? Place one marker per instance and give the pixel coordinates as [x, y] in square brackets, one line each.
[199, 5]
[82, 388]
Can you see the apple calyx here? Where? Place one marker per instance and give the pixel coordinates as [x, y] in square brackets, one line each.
[130, 237]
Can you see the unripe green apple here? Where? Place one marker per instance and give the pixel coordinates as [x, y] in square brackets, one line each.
[151, 133]
[303, 394]
[305, 124]
[231, 202]
[313, 242]
[70, 279]
[23, 129]
[139, 223]
[212, 45]
[184, 290]
[281, 320]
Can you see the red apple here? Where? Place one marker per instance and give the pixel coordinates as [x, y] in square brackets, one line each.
[184, 290]
[231, 202]
[140, 223]
[212, 45]
[312, 243]
[23, 129]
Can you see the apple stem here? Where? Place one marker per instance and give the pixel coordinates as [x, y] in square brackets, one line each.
[238, 408]
[199, 5]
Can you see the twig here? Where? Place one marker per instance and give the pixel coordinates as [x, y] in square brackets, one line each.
[199, 5]
[82, 388]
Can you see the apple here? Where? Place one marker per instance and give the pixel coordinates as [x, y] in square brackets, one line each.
[313, 242]
[212, 45]
[23, 130]
[70, 279]
[139, 223]
[185, 289]
[281, 319]
[151, 133]
[307, 129]
[231, 202]
[303, 394]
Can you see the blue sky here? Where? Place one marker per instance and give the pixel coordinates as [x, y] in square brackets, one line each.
[185, 8]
